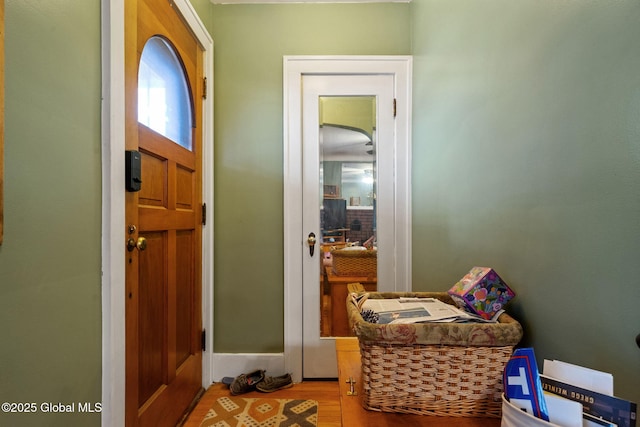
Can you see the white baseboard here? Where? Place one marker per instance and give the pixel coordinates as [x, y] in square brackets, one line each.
[234, 364]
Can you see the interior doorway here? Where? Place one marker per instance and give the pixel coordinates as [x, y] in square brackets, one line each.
[330, 157]
[310, 83]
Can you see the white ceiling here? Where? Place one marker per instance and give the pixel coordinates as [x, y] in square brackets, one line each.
[306, 1]
[342, 144]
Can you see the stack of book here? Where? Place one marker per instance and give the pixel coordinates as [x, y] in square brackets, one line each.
[564, 394]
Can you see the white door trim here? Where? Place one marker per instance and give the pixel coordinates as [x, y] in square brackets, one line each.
[294, 67]
[113, 205]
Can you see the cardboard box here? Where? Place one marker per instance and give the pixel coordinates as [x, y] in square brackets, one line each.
[481, 291]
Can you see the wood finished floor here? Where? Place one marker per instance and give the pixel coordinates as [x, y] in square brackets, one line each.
[325, 392]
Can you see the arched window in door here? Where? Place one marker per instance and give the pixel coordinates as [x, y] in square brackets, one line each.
[164, 103]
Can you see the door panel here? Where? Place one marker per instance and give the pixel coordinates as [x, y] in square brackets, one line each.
[185, 309]
[185, 179]
[154, 174]
[152, 309]
[163, 278]
[319, 358]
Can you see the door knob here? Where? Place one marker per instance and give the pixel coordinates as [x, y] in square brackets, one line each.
[311, 240]
[140, 244]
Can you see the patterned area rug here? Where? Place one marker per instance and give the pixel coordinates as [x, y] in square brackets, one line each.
[243, 412]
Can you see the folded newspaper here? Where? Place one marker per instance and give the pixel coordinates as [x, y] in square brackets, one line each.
[420, 310]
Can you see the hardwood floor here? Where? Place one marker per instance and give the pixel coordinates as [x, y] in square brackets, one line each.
[331, 412]
[325, 392]
[335, 410]
[335, 406]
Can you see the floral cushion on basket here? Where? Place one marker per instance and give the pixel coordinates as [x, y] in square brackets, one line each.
[504, 333]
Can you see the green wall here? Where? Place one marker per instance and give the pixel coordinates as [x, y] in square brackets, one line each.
[250, 41]
[203, 9]
[50, 311]
[525, 158]
[525, 148]
[526, 152]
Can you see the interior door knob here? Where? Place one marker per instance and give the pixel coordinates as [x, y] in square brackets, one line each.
[312, 243]
[140, 244]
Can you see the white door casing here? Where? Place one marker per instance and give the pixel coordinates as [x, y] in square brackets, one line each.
[397, 278]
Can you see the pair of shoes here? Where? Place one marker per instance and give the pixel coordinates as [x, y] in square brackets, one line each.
[270, 384]
[244, 383]
[257, 380]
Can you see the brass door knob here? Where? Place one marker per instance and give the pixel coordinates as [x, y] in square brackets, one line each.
[311, 240]
[140, 244]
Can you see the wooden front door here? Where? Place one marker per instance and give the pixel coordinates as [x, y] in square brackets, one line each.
[164, 216]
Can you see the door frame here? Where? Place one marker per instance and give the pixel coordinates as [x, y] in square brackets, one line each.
[113, 204]
[294, 67]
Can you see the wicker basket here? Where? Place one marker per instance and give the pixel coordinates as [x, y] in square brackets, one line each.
[452, 370]
[348, 262]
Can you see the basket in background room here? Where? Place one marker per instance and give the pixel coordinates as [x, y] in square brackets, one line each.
[353, 261]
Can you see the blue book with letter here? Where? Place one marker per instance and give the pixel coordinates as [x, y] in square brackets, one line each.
[522, 386]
